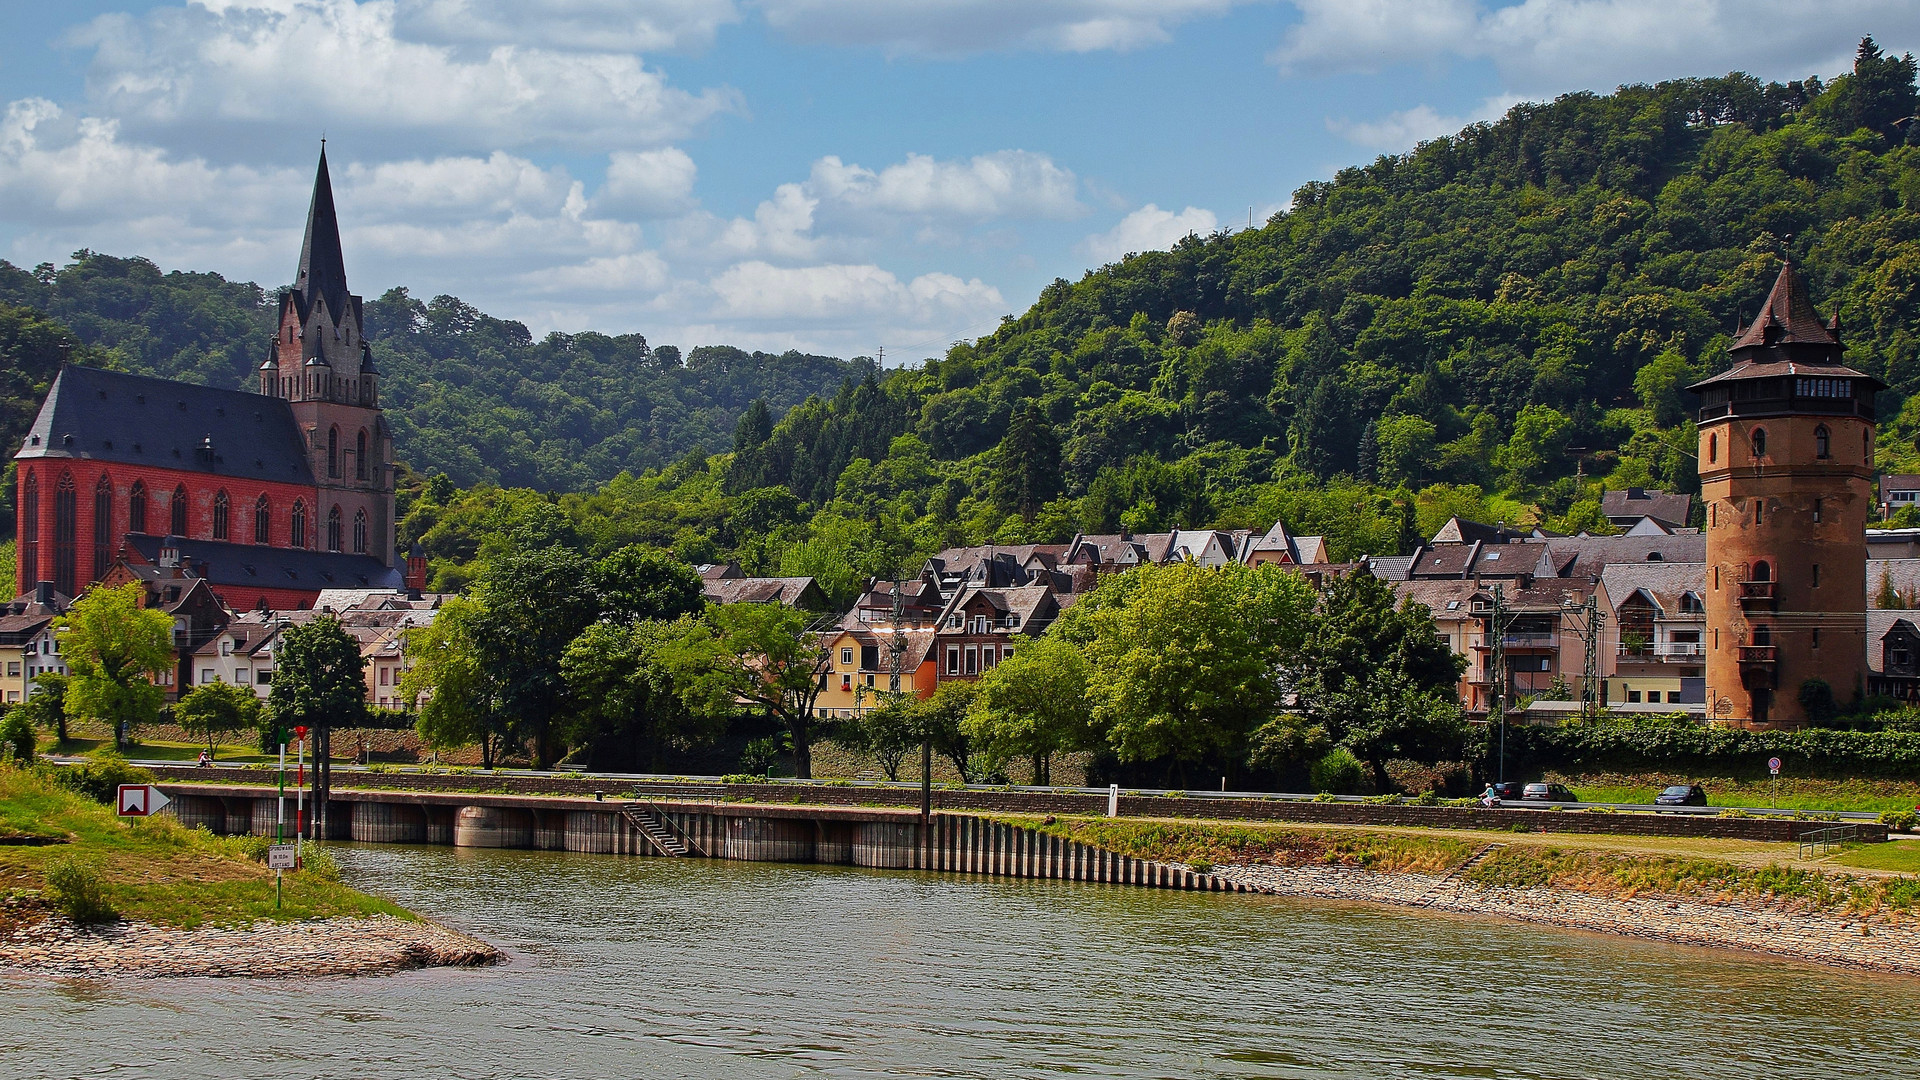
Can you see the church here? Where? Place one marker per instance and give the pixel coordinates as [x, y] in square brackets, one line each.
[269, 496]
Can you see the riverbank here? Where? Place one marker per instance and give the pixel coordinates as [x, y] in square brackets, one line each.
[1752, 900]
[84, 892]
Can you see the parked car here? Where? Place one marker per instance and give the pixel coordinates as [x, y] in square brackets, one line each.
[1548, 793]
[1682, 795]
[1509, 789]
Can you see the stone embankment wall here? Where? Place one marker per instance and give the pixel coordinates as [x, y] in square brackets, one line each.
[1827, 938]
[378, 945]
[1765, 829]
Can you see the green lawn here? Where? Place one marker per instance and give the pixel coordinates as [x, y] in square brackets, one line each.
[224, 753]
[1873, 796]
[155, 870]
[1901, 855]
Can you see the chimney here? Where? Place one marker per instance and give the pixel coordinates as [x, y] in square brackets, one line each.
[200, 569]
[43, 593]
[416, 579]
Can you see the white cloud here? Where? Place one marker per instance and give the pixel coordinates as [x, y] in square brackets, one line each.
[1549, 46]
[640, 272]
[758, 291]
[1409, 127]
[959, 27]
[649, 183]
[241, 62]
[1147, 229]
[1006, 184]
[593, 25]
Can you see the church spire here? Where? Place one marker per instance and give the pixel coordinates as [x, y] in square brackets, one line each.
[323, 269]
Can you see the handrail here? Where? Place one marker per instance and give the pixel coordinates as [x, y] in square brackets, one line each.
[1756, 654]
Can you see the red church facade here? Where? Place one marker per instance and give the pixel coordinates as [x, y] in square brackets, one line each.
[273, 496]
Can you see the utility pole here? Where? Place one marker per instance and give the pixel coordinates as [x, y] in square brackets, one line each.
[1590, 689]
[1497, 660]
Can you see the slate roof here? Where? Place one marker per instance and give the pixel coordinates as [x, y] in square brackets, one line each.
[96, 415]
[323, 268]
[1588, 556]
[243, 566]
[1788, 316]
[1879, 625]
[1665, 582]
[791, 591]
[1622, 505]
[1902, 574]
[1459, 530]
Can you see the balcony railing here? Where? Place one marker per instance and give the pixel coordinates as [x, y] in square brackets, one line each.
[1757, 594]
[1756, 654]
[1663, 651]
[1524, 640]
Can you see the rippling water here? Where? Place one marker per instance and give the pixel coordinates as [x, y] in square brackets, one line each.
[658, 968]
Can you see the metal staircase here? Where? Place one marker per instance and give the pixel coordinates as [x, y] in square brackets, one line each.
[658, 831]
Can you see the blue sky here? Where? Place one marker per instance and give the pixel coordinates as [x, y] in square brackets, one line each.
[833, 175]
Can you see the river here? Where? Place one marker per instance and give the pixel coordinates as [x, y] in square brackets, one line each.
[644, 968]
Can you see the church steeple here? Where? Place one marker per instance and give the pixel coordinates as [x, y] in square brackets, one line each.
[323, 269]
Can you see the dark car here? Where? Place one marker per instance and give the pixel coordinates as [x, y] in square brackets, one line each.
[1548, 793]
[1682, 795]
[1508, 789]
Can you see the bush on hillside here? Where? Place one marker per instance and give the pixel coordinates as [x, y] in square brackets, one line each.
[1339, 772]
[99, 778]
[77, 890]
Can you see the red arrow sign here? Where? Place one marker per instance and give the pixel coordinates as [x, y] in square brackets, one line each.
[140, 800]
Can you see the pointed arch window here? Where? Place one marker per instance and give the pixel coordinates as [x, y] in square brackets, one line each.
[220, 515]
[1822, 443]
[333, 452]
[29, 531]
[262, 521]
[178, 505]
[64, 526]
[1759, 442]
[102, 526]
[359, 532]
[360, 455]
[298, 529]
[137, 508]
[333, 529]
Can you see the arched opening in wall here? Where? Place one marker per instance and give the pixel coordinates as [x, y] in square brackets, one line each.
[178, 506]
[1822, 443]
[137, 508]
[359, 532]
[333, 452]
[262, 521]
[28, 494]
[298, 527]
[333, 529]
[220, 515]
[64, 526]
[360, 455]
[1759, 442]
[1761, 572]
[102, 526]
[1713, 447]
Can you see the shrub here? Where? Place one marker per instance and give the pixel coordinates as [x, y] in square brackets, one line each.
[76, 889]
[100, 778]
[1385, 800]
[742, 778]
[1201, 867]
[319, 862]
[1429, 797]
[17, 737]
[1339, 772]
[1325, 796]
[1900, 821]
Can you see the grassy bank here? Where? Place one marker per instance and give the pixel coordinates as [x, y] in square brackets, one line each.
[1521, 864]
[151, 870]
[1873, 796]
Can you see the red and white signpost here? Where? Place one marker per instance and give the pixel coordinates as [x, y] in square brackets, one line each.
[139, 800]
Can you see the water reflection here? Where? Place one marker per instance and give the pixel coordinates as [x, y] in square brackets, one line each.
[657, 968]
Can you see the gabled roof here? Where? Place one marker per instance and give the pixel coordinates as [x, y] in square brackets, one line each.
[1623, 505]
[96, 415]
[800, 592]
[1588, 556]
[1459, 530]
[251, 566]
[1664, 582]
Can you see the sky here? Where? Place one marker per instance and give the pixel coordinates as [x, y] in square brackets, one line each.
[838, 176]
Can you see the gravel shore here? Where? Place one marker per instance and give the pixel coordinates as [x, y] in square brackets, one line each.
[379, 945]
[1846, 940]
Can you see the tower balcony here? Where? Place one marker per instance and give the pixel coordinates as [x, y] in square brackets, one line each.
[1758, 667]
[1758, 596]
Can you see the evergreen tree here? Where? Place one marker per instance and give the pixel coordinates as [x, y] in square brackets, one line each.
[1027, 476]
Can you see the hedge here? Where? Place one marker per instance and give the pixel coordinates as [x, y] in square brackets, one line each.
[1678, 744]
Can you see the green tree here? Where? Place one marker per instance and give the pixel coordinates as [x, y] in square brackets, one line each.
[1184, 661]
[447, 682]
[47, 705]
[887, 734]
[1027, 474]
[624, 691]
[18, 738]
[1033, 705]
[533, 601]
[1661, 388]
[761, 654]
[1406, 449]
[639, 582]
[1536, 450]
[319, 683]
[217, 708]
[1377, 678]
[941, 719]
[115, 649]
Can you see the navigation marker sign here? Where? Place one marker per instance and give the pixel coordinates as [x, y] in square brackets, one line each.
[280, 857]
[140, 800]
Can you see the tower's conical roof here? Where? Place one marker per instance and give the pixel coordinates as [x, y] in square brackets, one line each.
[1788, 317]
[323, 269]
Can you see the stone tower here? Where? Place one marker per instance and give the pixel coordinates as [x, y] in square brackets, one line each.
[1786, 474]
[321, 364]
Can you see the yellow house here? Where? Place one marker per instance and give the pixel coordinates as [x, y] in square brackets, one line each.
[859, 671]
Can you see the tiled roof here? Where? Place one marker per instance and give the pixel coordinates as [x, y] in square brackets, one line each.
[1667, 506]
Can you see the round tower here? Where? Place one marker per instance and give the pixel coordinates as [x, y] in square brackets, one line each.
[1786, 476]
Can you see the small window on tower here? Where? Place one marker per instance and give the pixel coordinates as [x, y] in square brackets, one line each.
[1817, 503]
[1713, 447]
[1759, 442]
[1821, 443]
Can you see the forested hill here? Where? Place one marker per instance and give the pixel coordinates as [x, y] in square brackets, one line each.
[470, 396]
